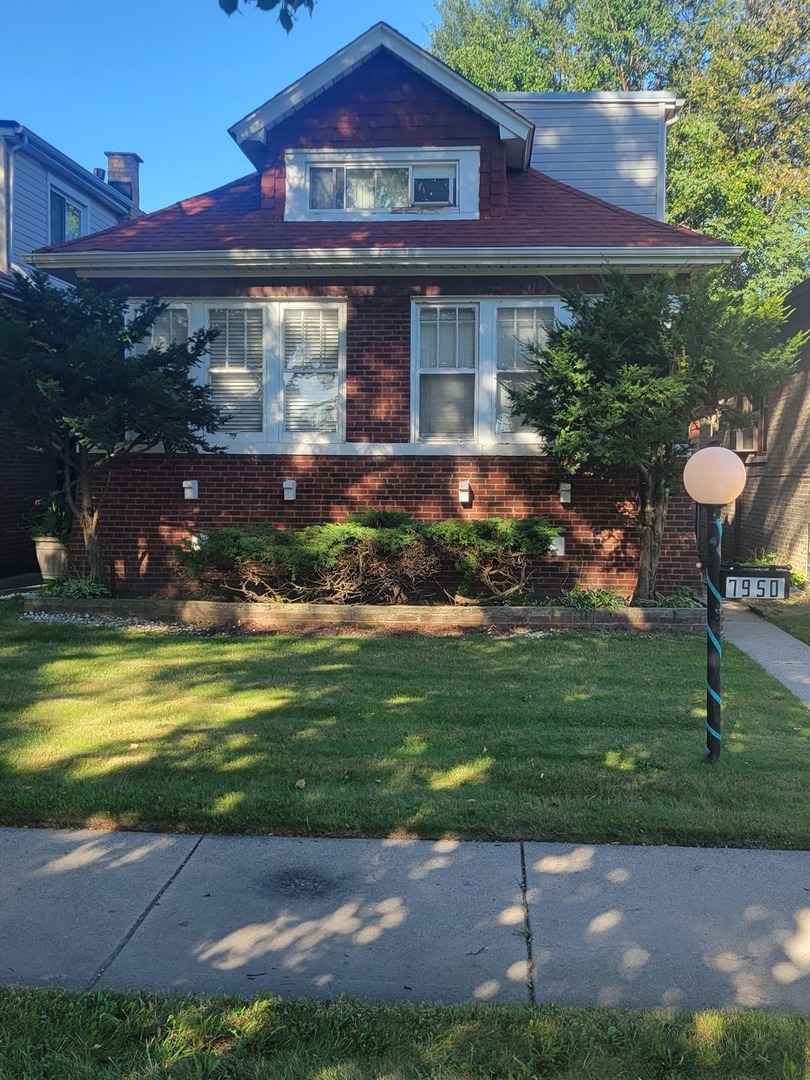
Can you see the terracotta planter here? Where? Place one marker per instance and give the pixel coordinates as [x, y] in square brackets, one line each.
[52, 557]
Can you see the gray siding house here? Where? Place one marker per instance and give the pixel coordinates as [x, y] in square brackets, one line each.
[45, 197]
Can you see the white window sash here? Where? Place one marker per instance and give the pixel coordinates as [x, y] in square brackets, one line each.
[490, 376]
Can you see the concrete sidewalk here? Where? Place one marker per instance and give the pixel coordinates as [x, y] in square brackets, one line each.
[783, 656]
[428, 921]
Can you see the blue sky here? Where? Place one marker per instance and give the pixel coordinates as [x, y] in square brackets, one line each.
[167, 78]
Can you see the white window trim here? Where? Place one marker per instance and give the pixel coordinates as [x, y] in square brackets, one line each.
[518, 444]
[273, 438]
[465, 160]
[486, 374]
[56, 187]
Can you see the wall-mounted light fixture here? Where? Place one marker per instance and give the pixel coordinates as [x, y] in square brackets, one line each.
[191, 489]
[465, 494]
[558, 546]
[289, 487]
[565, 492]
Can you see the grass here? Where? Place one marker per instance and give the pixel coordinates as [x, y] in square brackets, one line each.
[579, 738]
[127, 1037]
[792, 615]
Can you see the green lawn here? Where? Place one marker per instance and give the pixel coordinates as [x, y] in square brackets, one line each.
[49, 1035]
[569, 737]
[791, 615]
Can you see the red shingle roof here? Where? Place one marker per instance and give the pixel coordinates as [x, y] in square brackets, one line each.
[542, 212]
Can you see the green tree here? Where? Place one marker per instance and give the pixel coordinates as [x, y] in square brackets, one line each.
[75, 376]
[738, 159]
[619, 385]
[287, 9]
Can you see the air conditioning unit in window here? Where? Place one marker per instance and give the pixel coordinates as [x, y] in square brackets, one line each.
[433, 191]
[745, 441]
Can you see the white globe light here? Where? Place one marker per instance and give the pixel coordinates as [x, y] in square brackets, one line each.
[714, 476]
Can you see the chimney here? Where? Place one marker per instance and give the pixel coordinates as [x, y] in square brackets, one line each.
[122, 174]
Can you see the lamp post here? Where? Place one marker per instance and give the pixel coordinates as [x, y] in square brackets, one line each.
[714, 477]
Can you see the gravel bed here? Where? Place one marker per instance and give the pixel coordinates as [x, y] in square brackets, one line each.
[117, 622]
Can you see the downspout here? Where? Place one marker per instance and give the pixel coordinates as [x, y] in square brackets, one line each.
[19, 140]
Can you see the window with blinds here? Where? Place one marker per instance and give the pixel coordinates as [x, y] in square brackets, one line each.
[448, 362]
[516, 329]
[236, 366]
[311, 352]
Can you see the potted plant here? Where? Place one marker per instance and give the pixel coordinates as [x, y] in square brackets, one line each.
[51, 523]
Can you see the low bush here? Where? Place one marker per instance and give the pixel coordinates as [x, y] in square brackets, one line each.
[590, 599]
[376, 556]
[682, 598]
[776, 558]
[75, 589]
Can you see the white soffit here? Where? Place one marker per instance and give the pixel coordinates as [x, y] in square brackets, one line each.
[515, 130]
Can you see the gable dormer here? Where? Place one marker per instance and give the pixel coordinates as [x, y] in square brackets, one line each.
[382, 131]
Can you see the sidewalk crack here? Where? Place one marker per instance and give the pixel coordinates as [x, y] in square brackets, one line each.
[527, 928]
[129, 934]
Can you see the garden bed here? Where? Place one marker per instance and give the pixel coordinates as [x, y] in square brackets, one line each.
[398, 617]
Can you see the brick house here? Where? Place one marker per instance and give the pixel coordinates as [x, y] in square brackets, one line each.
[45, 198]
[773, 513]
[403, 235]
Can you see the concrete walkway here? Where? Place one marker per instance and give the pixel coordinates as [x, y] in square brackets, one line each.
[783, 656]
[572, 924]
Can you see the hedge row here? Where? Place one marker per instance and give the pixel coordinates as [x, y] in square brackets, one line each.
[376, 557]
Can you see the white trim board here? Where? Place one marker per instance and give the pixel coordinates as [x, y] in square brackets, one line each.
[384, 261]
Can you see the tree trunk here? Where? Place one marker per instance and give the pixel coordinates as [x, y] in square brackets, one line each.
[653, 497]
[87, 515]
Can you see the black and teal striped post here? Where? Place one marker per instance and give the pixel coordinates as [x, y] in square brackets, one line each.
[714, 650]
[714, 477]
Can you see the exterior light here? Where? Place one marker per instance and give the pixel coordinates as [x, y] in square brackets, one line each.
[290, 489]
[713, 477]
[191, 489]
[465, 495]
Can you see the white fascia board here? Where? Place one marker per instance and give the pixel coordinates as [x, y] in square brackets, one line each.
[389, 261]
[511, 124]
[85, 181]
[576, 96]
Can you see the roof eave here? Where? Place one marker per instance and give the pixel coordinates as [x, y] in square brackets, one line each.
[342, 262]
[87, 181]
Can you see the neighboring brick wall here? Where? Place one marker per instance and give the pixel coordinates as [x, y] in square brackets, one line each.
[386, 103]
[28, 474]
[774, 509]
[145, 515]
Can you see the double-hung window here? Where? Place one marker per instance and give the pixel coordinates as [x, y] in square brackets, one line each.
[66, 217]
[448, 371]
[469, 356]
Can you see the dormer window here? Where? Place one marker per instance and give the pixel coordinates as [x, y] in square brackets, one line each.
[387, 184]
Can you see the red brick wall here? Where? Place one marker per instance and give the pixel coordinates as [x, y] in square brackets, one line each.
[145, 514]
[386, 103]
